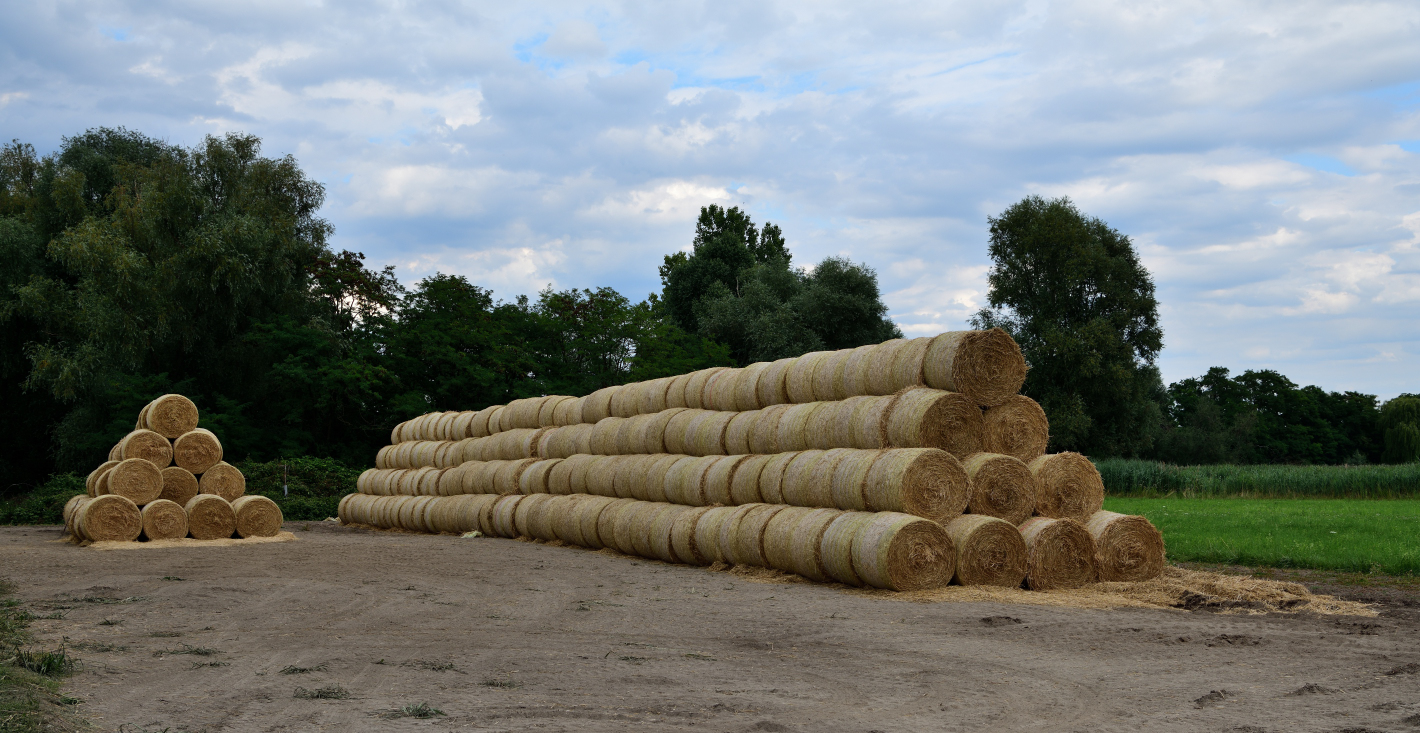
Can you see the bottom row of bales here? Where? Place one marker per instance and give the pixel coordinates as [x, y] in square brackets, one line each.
[879, 549]
[112, 517]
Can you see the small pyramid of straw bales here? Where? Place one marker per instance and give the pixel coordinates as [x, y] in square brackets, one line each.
[903, 465]
[166, 480]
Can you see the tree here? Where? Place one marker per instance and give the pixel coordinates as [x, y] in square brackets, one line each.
[1072, 292]
[1400, 423]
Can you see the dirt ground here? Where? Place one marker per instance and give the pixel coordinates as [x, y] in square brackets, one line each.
[502, 635]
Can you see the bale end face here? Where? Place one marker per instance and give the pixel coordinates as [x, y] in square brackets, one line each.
[164, 520]
[1127, 548]
[990, 551]
[223, 480]
[257, 516]
[1060, 554]
[985, 365]
[903, 552]
[210, 517]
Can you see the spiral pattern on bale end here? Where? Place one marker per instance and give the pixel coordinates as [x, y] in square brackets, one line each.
[197, 450]
[210, 517]
[990, 551]
[223, 480]
[1016, 427]
[179, 485]
[258, 516]
[170, 415]
[136, 480]
[1127, 547]
[148, 445]
[108, 518]
[984, 365]
[1001, 486]
[1067, 486]
[903, 552]
[920, 417]
[164, 520]
[925, 482]
[1060, 554]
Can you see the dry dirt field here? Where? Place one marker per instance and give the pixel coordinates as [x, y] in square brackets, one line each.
[503, 635]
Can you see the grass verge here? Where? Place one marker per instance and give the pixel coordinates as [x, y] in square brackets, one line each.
[29, 679]
[1126, 477]
[1348, 535]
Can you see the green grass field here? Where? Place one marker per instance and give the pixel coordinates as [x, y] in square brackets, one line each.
[1325, 534]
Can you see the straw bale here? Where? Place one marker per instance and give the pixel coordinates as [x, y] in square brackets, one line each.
[855, 370]
[705, 544]
[506, 478]
[101, 483]
[531, 519]
[577, 467]
[792, 433]
[1001, 486]
[772, 387]
[677, 434]
[196, 450]
[799, 381]
[142, 423]
[495, 419]
[925, 482]
[795, 486]
[626, 401]
[630, 434]
[630, 476]
[806, 543]
[764, 434]
[604, 435]
[224, 480]
[590, 515]
[653, 396]
[546, 440]
[848, 483]
[778, 538]
[344, 510]
[1067, 486]
[907, 364]
[210, 517]
[567, 411]
[500, 520]
[428, 482]
[461, 426]
[742, 536]
[652, 437]
[685, 481]
[639, 528]
[597, 405]
[717, 479]
[562, 442]
[113, 452]
[179, 485]
[722, 390]
[844, 431]
[695, 387]
[476, 513]
[534, 479]
[444, 425]
[819, 491]
[771, 477]
[1128, 548]
[70, 506]
[95, 474]
[601, 476]
[652, 482]
[836, 546]
[826, 384]
[559, 477]
[547, 414]
[879, 373]
[147, 445]
[747, 387]
[528, 443]
[682, 535]
[107, 518]
[395, 434]
[929, 418]
[170, 416]
[990, 551]
[675, 390]
[382, 456]
[1060, 554]
[707, 434]
[903, 552]
[663, 531]
[136, 480]
[564, 518]
[480, 426]
[744, 482]
[987, 366]
[257, 516]
[618, 530]
[821, 431]
[1016, 427]
[164, 520]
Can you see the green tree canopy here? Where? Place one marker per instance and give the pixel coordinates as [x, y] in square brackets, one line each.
[1072, 292]
[1400, 425]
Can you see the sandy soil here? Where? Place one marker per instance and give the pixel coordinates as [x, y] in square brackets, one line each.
[503, 635]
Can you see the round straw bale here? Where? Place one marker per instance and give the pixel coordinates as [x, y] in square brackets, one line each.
[210, 517]
[677, 432]
[850, 477]
[792, 433]
[675, 390]
[224, 480]
[651, 484]
[523, 413]
[477, 513]
[685, 481]
[95, 474]
[601, 476]
[990, 551]
[564, 442]
[179, 486]
[737, 432]
[395, 433]
[496, 420]
[534, 479]
[660, 541]
[742, 534]
[929, 418]
[1067, 486]
[763, 435]
[717, 479]
[779, 537]
[527, 445]
[987, 366]
[462, 427]
[836, 546]
[626, 401]
[147, 445]
[604, 435]
[707, 435]
[564, 518]
[639, 524]
[799, 381]
[559, 477]
[481, 478]
[567, 411]
[879, 370]
[819, 491]
[1016, 427]
[695, 387]
[501, 516]
[747, 386]
[682, 545]
[903, 552]
[590, 515]
[444, 425]
[653, 430]
[630, 474]
[382, 457]
[907, 365]
[629, 435]
[1060, 554]
[795, 486]
[827, 381]
[772, 387]
[113, 452]
[597, 405]
[170, 415]
[771, 477]
[74, 502]
[108, 518]
[258, 516]
[142, 423]
[925, 482]
[806, 543]
[1001, 486]
[197, 450]
[705, 544]
[1127, 548]
[821, 430]
[506, 478]
[852, 374]
[577, 468]
[547, 411]
[479, 427]
[653, 395]
[744, 482]
[530, 519]
[136, 480]
[722, 390]
[624, 525]
[546, 441]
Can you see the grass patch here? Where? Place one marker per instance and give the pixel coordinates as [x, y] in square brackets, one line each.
[505, 683]
[292, 669]
[29, 689]
[433, 666]
[166, 634]
[111, 622]
[422, 710]
[1324, 534]
[200, 651]
[1150, 479]
[200, 665]
[99, 646]
[329, 692]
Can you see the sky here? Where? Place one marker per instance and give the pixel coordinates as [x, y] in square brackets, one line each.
[1264, 157]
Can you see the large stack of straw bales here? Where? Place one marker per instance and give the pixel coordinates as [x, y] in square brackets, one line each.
[167, 480]
[902, 465]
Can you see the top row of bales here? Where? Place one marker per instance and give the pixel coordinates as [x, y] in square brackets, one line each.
[985, 366]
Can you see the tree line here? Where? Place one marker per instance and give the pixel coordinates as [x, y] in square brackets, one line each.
[131, 267]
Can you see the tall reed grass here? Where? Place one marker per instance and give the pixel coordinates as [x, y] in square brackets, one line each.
[1125, 477]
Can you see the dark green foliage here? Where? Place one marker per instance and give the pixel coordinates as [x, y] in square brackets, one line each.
[1129, 477]
[1400, 426]
[1074, 295]
[44, 505]
[315, 484]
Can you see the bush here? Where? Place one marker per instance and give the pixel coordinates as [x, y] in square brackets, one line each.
[315, 485]
[44, 505]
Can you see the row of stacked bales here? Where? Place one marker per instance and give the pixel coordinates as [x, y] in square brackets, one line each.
[929, 430]
[166, 480]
